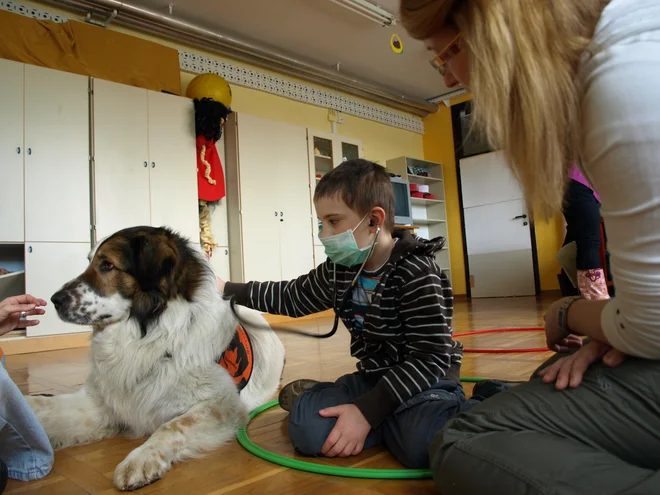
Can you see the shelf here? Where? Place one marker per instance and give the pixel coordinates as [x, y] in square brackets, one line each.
[12, 274]
[428, 221]
[420, 179]
[425, 202]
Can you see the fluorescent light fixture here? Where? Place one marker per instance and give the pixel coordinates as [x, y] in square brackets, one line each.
[368, 10]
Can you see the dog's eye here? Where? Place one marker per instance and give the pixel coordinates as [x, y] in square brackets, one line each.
[106, 266]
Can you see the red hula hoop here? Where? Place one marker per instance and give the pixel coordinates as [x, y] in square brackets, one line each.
[503, 330]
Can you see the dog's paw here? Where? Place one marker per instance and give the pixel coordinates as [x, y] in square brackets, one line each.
[139, 469]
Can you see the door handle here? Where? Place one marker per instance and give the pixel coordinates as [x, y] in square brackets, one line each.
[520, 216]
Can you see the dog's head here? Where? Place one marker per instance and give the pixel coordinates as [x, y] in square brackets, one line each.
[131, 274]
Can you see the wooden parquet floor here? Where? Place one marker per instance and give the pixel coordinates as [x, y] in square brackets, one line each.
[88, 469]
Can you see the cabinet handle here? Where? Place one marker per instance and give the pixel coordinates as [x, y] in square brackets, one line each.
[153, 164]
[30, 249]
[275, 213]
[146, 164]
[227, 251]
[29, 151]
[281, 214]
[18, 150]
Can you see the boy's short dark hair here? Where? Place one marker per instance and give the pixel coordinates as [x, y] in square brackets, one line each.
[362, 185]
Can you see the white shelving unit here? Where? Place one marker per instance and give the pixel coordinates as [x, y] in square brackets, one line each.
[429, 215]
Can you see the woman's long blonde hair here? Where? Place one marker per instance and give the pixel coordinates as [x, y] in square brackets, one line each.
[524, 56]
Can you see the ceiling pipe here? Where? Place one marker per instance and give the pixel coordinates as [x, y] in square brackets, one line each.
[173, 29]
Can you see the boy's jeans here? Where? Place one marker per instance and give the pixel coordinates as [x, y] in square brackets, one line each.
[406, 433]
[24, 446]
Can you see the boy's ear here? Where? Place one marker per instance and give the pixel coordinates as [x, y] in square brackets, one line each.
[377, 218]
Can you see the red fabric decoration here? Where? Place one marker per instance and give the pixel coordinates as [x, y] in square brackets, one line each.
[207, 156]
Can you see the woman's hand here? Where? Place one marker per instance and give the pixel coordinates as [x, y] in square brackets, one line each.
[569, 371]
[221, 285]
[11, 310]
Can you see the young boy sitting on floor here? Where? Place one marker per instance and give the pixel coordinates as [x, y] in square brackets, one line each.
[399, 314]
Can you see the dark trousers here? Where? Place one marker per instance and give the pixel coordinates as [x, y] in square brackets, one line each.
[601, 438]
[407, 433]
[582, 214]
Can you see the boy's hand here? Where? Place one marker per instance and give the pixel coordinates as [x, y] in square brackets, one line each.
[348, 436]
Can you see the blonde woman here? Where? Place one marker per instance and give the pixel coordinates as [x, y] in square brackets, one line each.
[557, 82]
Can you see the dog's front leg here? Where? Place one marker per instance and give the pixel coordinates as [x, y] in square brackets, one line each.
[203, 427]
[72, 419]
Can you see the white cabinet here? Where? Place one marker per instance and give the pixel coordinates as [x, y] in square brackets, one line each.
[57, 192]
[327, 151]
[173, 164]
[48, 266]
[145, 164]
[220, 262]
[269, 206]
[11, 151]
[121, 154]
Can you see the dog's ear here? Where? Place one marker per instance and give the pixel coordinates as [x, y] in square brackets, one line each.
[153, 266]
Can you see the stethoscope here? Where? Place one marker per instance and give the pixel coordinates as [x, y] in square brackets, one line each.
[337, 309]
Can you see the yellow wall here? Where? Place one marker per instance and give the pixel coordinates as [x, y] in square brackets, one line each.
[439, 147]
[380, 142]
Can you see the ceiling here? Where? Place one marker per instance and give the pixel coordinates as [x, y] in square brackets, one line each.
[319, 32]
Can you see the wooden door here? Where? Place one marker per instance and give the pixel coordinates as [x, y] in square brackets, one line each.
[48, 266]
[11, 151]
[57, 172]
[260, 221]
[173, 164]
[293, 198]
[121, 157]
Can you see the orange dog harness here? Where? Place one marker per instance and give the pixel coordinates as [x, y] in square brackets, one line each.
[238, 358]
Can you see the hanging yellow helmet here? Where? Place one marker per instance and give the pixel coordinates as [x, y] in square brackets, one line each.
[210, 86]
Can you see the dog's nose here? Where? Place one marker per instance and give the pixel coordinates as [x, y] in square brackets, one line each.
[58, 299]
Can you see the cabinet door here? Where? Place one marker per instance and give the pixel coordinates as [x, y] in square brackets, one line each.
[121, 157]
[260, 221]
[57, 185]
[11, 151]
[173, 164]
[220, 262]
[289, 159]
[48, 266]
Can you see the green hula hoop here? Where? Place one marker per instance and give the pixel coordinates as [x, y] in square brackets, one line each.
[313, 467]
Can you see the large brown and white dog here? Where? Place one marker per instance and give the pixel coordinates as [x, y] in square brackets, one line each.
[160, 326]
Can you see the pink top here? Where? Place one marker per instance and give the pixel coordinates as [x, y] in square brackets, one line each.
[576, 175]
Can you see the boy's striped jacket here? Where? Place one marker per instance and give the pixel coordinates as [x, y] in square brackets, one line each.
[406, 344]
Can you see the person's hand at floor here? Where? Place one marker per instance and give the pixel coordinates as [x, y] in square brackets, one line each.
[569, 371]
[11, 310]
[349, 434]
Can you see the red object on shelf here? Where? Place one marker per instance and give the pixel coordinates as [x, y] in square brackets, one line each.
[413, 188]
[429, 196]
[417, 194]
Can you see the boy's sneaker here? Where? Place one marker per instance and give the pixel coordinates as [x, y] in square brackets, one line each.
[4, 476]
[291, 391]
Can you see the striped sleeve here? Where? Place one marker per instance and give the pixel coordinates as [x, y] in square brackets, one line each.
[426, 310]
[307, 294]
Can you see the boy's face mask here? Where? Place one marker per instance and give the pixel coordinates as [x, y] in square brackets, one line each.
[342, 249]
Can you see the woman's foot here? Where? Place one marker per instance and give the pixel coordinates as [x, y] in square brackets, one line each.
[291, 391]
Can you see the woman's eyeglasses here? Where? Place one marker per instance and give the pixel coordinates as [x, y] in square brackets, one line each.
[450, 51]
